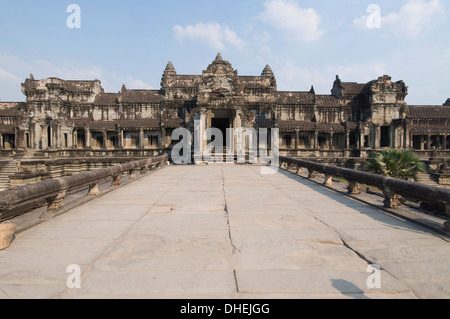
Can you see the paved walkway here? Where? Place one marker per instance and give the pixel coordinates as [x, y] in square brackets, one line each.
[222, 231]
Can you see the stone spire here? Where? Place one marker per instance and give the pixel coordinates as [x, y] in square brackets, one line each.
[219, 57]
[312, 90]
[267, 71]
[170, 70]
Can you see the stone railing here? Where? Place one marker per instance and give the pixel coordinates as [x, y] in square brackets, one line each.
[393, 189]
[19, 200]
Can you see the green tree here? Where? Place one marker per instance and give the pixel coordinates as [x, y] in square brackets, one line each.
[395, 163]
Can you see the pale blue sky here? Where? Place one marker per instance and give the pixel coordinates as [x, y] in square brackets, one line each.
[305, 42]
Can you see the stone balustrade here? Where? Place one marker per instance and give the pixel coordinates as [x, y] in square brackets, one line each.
[393, 189]
[53, 192]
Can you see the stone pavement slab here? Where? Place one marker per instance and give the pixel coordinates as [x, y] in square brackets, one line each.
[225, 231]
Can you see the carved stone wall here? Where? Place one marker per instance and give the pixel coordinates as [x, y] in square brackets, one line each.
[63, 115]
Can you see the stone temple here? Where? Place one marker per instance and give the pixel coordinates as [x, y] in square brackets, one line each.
[63, 118]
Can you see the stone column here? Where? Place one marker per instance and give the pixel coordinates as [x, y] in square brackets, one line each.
[1, 141]
[141, 138]
[377, 136]
[74, 138]
[88, 138]
[58, 136]
[163, 137]
[32, 136]
[20, 138]
[202, 130]
[54, 139]
[347, 139]
[69, 140]
[120, 139]
[361, 138]
[105, 139]
[316, 139]
[407, 137]
[237, 125]
[429, 142]
[297, 138]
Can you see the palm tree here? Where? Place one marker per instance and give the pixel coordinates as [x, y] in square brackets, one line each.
[397, 164]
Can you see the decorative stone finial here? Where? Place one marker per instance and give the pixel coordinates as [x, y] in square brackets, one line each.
[267, 71]
[124, 88]
[31, 77]
[219, 57]
[312, 90]
[170, 70]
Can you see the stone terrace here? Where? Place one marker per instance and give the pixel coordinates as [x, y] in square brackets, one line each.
[225, 231]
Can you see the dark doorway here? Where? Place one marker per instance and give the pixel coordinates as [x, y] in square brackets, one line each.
[385, 140]
[27, 140]
[222, 124]
[352, 140]
[9, 141]
[81, 139]
[49, 137]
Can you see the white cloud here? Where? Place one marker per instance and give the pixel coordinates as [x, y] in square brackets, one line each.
[6, 76]
[298, 24]
[213, 34]
[413, 18]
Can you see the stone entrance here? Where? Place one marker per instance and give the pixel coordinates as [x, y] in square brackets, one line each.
[222, 124]
[221, 120]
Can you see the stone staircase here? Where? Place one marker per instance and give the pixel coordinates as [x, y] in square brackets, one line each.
[437, 173]
[428, 179]
[227, 158]
[9, 169]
